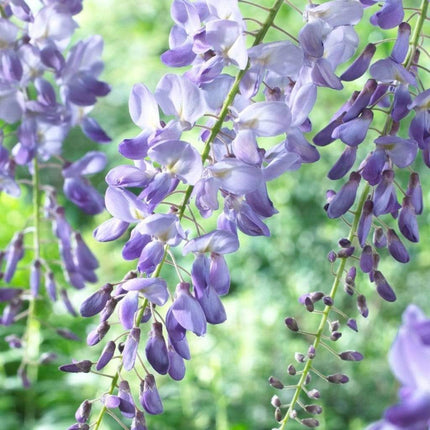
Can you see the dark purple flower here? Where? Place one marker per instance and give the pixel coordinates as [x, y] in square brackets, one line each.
[126, 403]
[345, 198]
[106, 355]
[149, 397]
[83, 412]
[396, 247]
[414, 191]
[176, 364]
[83, 366]
[366, 259]
[365, 222]
[156, 349]
[96, 302]
[360, 64]
[383, 287]
[408, 224]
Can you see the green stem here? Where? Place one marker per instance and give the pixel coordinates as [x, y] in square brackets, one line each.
[31, 337]
[111, 390]
[413, 44]
[326, 311]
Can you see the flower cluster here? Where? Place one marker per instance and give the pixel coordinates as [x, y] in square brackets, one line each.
[253, 127]
[391, 101]
[44, 93]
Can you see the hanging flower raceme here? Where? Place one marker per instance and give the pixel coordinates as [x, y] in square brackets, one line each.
[47, 88]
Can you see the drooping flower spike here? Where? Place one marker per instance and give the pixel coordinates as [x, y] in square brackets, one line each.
[47, 88]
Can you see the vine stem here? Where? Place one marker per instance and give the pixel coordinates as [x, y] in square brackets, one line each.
[326, 311]
[31, 337]
[205, 154]
[417, 32]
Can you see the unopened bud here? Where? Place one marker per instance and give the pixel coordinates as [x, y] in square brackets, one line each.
[299, 357]
[314, 394]
[278, 415]
[362, 305]
[308, 379]
[291, 323]
[352, 324]
[309, 305]
[316, 296]
[331, 256]
[337, 378]
[275, 401]
[344, 242]
[336, 335]
[291, 370]
[293, 414]
[351, 356]
[334, 325]
[311, 352]
[276, 383]
[83, 412]
[313, 409]
[346, 252]
[310, 422]
[328, 301]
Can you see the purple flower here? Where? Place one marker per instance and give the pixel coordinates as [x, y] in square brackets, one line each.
[408, 358]
[149, 397]
[156, 349]
[187, 310]
[130, 348]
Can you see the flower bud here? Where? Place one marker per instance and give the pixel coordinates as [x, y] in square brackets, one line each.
[291, 323]
[83, 412]
[328, 301]
[336, 335]
[309, 305]
[351, 356]
[314, 394]
[310, 422]
[313, 409]
[362, 305]
[337, 378]
[352, 324]
[331, 256]
[300, 358]
[276, 383]
[275, 401]
[291, 370]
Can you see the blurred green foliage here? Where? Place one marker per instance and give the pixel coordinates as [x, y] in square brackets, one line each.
[225, 387]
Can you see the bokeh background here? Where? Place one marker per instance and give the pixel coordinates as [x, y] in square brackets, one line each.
[226, 386]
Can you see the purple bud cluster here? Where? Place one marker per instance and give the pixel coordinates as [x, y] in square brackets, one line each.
[47, 87]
